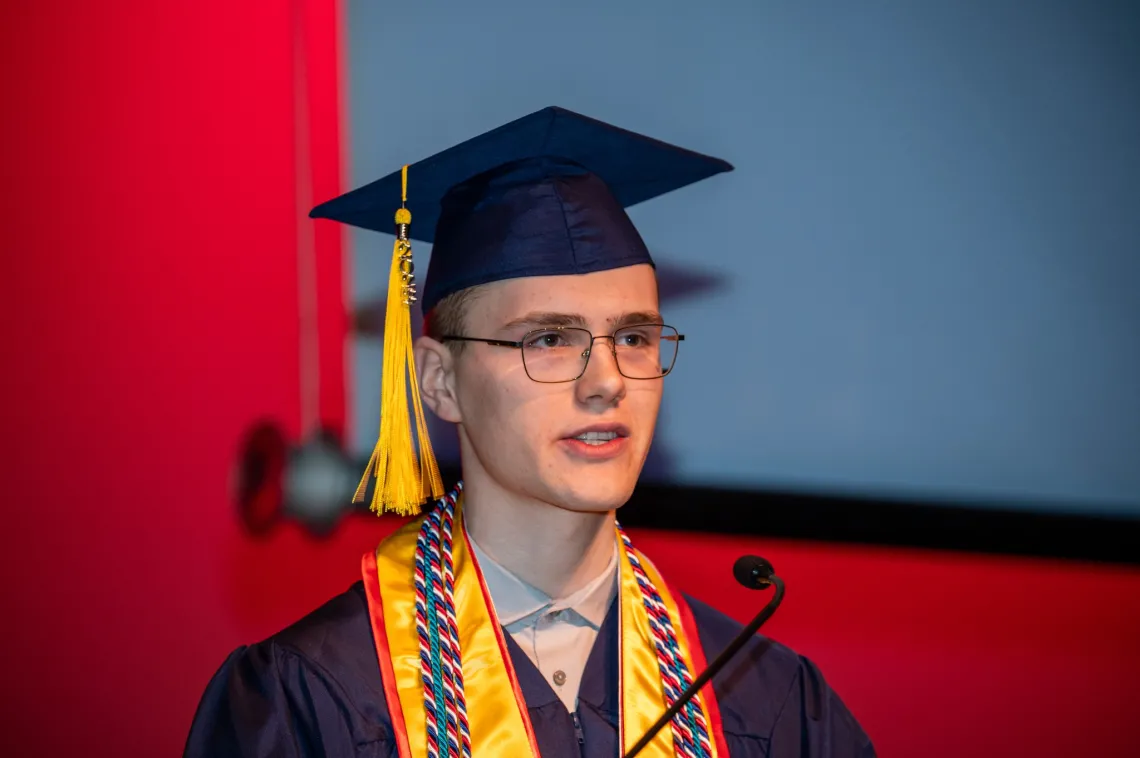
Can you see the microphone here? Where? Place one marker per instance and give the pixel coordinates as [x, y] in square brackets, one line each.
[755, 573]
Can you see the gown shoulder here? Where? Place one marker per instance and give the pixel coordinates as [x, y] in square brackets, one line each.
[313, 689]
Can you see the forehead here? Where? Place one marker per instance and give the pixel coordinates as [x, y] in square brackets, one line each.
[598, 296]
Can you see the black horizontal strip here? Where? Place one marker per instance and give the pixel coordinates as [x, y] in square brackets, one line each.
[995, 529]
[991, 529]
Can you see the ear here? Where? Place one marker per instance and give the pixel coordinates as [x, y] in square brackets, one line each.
[435, 369]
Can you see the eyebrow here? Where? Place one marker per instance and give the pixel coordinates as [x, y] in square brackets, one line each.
[553, 318]
[637, 317]
[546, 318]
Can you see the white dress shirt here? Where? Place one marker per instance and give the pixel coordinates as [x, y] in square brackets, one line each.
[557, 634]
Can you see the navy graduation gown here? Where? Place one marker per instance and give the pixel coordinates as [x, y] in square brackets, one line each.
[314, 689]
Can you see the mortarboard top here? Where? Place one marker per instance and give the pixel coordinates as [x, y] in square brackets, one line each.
[542, 195]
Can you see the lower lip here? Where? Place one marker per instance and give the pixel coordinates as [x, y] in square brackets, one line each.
[605, 451]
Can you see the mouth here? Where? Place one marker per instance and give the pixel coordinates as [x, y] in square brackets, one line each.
[597, 441]
[599, 434]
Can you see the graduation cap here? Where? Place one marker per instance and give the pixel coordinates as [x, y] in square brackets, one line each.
[541, 196]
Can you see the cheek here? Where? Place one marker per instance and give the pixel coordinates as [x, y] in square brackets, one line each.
[498, 414]
[480, 403]
[645, 401]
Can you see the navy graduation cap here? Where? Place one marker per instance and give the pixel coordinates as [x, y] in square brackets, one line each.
[541, 196]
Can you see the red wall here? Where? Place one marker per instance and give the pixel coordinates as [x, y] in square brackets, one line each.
[149, 301]
[947, 654]
[149, 313]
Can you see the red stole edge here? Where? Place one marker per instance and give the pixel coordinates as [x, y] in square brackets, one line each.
[697, 650]
[380, 638]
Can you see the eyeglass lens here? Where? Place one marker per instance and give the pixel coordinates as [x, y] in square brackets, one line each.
[644, 351]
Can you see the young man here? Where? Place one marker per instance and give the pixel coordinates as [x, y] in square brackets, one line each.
[514, 618]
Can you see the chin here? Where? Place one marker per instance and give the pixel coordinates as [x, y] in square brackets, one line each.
[593, 497]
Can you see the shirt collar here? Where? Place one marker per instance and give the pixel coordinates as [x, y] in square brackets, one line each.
[520, 604]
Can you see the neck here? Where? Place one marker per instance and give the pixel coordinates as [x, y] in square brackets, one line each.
[553, 549]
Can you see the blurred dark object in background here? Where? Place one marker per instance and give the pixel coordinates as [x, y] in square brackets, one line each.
[312, 483]
[258, 477]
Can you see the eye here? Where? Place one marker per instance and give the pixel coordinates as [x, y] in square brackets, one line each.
[547, 340]
[634, 338]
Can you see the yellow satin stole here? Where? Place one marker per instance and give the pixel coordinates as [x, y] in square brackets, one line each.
[496, 710]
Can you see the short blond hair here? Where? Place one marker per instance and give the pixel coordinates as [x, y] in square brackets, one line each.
[449, 317]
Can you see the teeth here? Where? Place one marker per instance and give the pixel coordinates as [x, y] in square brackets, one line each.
[597, 438]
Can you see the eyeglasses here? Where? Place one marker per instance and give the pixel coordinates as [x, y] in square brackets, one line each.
[560, 354]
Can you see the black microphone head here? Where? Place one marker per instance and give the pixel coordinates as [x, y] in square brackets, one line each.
[753, 572]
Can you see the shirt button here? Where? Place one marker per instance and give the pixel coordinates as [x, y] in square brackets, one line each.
[560, 678]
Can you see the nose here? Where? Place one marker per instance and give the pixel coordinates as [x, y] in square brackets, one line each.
[601, 382]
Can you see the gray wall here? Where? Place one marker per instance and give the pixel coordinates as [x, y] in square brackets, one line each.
[925, 267]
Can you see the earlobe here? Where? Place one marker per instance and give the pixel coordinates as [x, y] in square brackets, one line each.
[434, 370]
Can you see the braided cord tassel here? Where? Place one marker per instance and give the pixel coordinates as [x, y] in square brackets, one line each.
[450, 624]
[445, 706]
[426, 630]
[690, 732]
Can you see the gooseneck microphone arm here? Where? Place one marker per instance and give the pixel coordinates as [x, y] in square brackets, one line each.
[755, 573]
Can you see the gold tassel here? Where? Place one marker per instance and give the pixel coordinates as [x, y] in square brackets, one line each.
[402, 483]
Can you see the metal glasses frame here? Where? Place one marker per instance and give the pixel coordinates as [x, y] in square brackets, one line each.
[519, 344]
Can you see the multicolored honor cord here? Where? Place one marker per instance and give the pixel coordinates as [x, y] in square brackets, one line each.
[429, 621]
